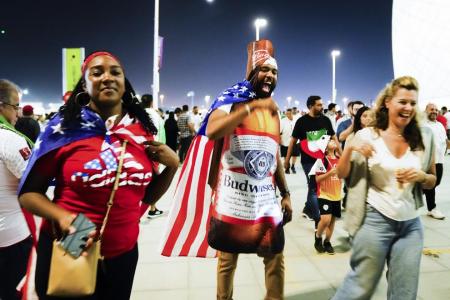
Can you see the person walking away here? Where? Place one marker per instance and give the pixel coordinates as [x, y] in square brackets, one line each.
[286, 127]
[172, 133]
[187, 132]
[27, 124]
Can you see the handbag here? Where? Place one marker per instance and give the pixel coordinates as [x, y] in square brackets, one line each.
[74, 277]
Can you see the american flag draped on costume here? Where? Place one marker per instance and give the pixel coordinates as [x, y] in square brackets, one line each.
[187, 226]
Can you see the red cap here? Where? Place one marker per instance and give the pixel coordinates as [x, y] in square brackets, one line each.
[27, 110]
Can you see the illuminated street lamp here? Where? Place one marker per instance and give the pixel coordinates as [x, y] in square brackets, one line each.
[289, 99]
[334, 54]
[161, 98]
[207, 98]
[258, 24]
[191, 94]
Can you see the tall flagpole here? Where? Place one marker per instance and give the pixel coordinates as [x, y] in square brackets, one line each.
[155, 57]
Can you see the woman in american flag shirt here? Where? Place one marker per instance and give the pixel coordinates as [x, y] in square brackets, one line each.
[80, 148]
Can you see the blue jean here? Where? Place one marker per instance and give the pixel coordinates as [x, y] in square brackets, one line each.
[380, 240]
[311, 205]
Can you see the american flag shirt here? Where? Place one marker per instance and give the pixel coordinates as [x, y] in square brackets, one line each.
[84, 159]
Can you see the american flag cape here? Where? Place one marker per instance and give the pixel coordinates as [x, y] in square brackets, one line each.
[186, 232]
[56, 136]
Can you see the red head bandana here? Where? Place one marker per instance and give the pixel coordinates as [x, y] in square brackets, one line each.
[94, 55]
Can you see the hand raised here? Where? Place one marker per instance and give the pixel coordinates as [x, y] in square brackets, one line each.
[366, 149]
[161, 153]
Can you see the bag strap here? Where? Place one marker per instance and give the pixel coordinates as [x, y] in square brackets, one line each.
[115, 187]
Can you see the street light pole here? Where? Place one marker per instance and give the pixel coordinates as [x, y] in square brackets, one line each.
[156, 56]
[334, 54]
[191, 94]
[289, 99]
[258, 24]
[207, 98]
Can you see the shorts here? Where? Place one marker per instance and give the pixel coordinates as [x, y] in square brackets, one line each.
[328, 207]
[295, 151]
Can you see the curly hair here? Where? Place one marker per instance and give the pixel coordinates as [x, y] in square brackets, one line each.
[412, 131]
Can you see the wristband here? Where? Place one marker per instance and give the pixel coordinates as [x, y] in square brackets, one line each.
[285, 193]
[247, 108]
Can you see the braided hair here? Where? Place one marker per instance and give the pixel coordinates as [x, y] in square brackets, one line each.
[71, 111]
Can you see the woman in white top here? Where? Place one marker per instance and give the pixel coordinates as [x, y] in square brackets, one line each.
[391, 231]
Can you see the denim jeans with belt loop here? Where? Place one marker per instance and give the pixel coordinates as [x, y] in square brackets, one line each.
[382, 240]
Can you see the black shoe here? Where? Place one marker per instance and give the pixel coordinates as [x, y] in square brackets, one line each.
[287, 171]
[328, 248]
[318, 244]
[154, 213]
[293, 170]
[306, 214]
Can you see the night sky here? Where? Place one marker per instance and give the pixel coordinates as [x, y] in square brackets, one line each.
[204, 46]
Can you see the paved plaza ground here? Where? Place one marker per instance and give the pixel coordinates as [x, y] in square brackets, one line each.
[308, 275]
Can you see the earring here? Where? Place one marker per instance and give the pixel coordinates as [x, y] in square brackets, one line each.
[82, 99]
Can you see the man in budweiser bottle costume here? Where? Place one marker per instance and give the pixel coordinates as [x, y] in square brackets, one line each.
[246, 169]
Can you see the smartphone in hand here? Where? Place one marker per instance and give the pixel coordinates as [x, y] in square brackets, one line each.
[74, 243]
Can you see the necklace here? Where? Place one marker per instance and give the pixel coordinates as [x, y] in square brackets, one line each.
[394, 133]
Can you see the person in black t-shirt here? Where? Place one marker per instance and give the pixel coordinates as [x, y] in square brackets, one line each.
[27, 124]
[307, 129]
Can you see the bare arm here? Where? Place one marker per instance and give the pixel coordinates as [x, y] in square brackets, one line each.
[322, 177]
[343, 167]
[35, 201]
[280, 180]
[334, 137]
[344, 134]
[161, 182]
[292, 143]
[221, 124]
[191, 128]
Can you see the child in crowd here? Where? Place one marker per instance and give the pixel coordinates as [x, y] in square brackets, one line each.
[329, 195]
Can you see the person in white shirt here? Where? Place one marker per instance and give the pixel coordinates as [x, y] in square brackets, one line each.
[296, 114]
[398, 164]
[331, 114]
[196, 118]
[15, 239]
[441, 144]
[286, 126]
[446, 114]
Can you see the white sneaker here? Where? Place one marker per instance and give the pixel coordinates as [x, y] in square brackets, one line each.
[435, 213]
